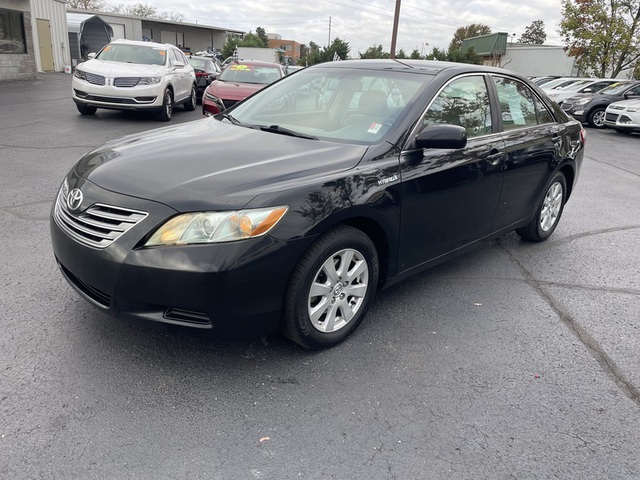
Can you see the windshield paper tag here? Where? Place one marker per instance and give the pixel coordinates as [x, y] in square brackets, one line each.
[374, 127]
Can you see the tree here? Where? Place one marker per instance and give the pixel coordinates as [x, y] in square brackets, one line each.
[374, 52]
[136, 10]
[338, 49]
[262, 34]
[94, 5]
[604, 35]
[249, 40]
[415, 54]
[144, 10]
[473, 30]
[534, 34]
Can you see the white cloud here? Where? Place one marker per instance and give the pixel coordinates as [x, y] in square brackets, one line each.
[365, 23]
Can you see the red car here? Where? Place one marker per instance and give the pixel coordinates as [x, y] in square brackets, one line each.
[236, 82]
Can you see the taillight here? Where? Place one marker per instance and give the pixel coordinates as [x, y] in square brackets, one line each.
[583, 135]
[201, 74]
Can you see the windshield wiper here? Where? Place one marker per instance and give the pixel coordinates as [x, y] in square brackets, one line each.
[285, 131]
[228, 116]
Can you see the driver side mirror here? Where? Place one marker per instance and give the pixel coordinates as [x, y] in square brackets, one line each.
[91, 56]
[443, 136]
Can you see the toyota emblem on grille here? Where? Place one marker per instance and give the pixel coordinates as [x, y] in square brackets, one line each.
[74, 199]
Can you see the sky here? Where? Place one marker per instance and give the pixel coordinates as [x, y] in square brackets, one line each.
[366, 23]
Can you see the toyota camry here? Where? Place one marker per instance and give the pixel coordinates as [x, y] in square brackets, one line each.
[290, 210]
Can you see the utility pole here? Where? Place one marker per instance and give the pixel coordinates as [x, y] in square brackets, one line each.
[329, 42]
[394, 35]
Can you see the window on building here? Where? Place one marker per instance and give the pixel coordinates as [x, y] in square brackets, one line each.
[12, 39]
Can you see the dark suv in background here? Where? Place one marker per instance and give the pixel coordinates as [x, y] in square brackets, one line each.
[590, 108]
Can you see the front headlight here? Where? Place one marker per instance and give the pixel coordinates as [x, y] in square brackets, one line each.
[79, 74]
[149, 80]
[583, 101]
[217, 227]
[211, 98]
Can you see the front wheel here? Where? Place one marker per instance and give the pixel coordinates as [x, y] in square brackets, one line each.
[331, 288]
[549, 211]
[192, 102]
[165, 113]
[85, 109]
[596, 118]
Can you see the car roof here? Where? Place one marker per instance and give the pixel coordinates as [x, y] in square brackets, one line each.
[429, 67]
[123, 41]
[256, 63]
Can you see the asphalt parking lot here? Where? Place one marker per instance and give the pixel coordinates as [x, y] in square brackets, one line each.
[514, 361]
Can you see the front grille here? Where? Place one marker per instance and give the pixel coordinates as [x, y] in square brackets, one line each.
[229, 103]
[98, 296]
[102, 98]
[610, 117]
[94, 79]
[126, 81]
[99, 225]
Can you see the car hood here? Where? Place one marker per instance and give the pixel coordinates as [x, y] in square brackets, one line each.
[233, 90]
[208, 164]
[113, 69]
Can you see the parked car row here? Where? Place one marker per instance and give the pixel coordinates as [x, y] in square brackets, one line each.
[591, 108]
[131, 75]
[599, 103]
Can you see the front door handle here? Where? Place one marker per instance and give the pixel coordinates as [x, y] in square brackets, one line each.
[495, 156]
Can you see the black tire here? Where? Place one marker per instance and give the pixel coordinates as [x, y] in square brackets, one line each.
[341, 302]
[85, 109]
[548, 212]
[596, 118]
[191, 104]
[166, 112]
[622, 130]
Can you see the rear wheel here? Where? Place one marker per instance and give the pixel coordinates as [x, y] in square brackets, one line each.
[191, 104]
[596, 118]
[331, 288]
[165, 113]
[549, 211]
[85, 109]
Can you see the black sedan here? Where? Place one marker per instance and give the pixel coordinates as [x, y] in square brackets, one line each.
[591, 108]
[206, 70]
[290, 210]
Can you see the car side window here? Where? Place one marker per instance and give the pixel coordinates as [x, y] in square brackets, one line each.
[463, 102]
[634, 92]
[519, 106]
[175, 57]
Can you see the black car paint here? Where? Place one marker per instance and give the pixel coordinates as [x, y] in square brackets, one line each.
[418, 207]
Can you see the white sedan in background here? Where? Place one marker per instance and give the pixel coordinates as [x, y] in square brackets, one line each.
[624, 116]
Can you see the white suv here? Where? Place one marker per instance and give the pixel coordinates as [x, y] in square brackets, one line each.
[130, 75]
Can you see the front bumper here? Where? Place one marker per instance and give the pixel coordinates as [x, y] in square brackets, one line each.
[235, 288]
[620, 120]
[140, 97]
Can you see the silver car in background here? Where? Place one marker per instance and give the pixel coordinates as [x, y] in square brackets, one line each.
[624, 116]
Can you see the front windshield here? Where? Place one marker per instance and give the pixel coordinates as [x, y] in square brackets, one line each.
[140, 54]
[247, 73]
[338, 104]
[615, 89]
